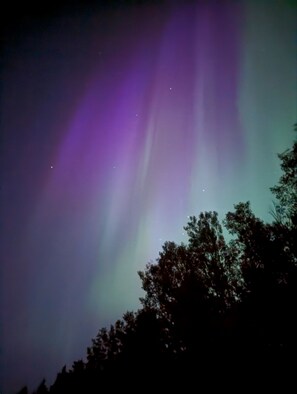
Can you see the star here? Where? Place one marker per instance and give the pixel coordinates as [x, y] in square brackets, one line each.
[52, 167]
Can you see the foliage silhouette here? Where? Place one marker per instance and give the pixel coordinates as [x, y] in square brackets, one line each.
[212, 308]
[24, 390]
[42, 388]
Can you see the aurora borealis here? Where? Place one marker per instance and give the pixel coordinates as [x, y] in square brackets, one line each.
[118, 122]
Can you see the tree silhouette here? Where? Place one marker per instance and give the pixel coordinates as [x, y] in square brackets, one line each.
[24, 390]
[42, 388]
[286, 190]
[212, 308]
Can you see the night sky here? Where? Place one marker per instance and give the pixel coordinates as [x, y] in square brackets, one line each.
[117, 122]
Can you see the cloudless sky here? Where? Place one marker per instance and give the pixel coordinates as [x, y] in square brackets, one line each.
[117, 122]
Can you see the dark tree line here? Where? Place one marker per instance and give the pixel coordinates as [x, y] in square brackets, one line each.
[216, 313]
